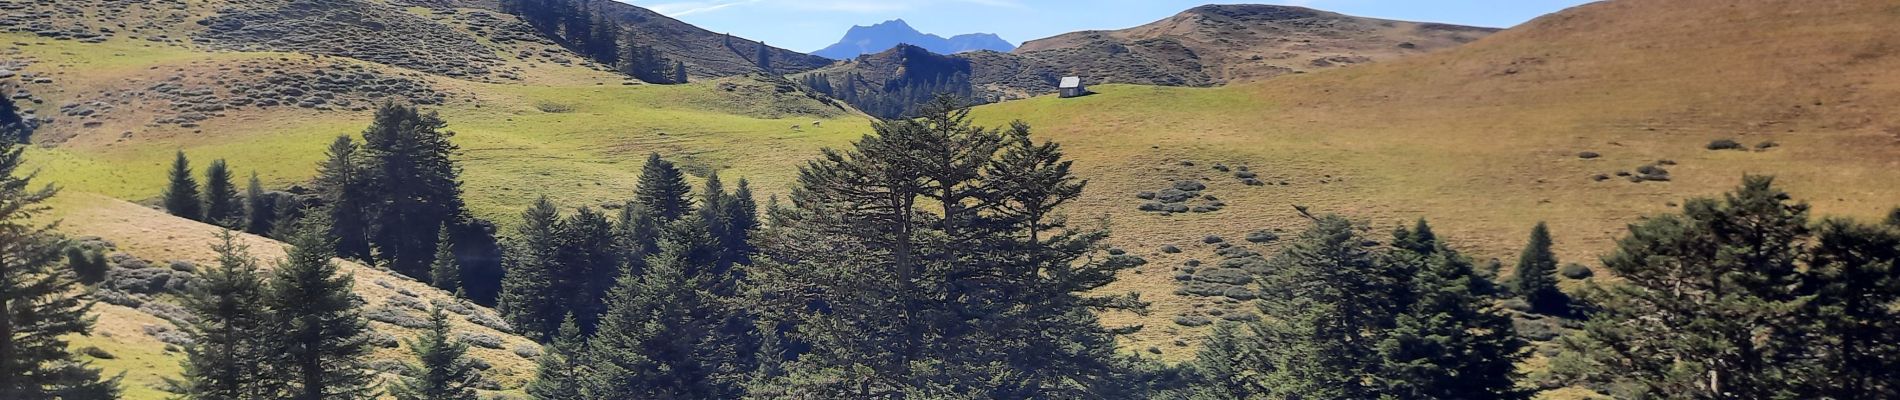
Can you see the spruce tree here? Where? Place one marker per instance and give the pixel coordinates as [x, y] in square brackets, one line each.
[587, 263]
[560, 368]
[741, 220]
[322, 336]
[529, 299]
[344, 185]
[42, 302]
[222, 206]
[445, 273]
[663, 190]
[1537, 275]
[443, 370]
[1327, 290]
[656, 340]
[230, 336]
[1220, 369]
[1707, 303]
[409, 157]
[13, 128]
[260, 208]
[1451, 342]
[918, 253]
[181, 194]
[1854, 330]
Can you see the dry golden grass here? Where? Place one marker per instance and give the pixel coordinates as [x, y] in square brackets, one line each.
[154, 235]
[1483, 139]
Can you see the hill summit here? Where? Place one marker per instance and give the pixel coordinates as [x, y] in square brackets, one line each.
[861, 40]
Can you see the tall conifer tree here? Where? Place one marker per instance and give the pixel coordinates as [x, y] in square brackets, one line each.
[181, 193]
[344, 185]
[416, 186]
[324, 338]
[222, 206]
[443, 370]
[663, 190]
[445, 273]
[1537, 275]
[656, 341]
[41, 301]
[529, 300]
[230, 347]
[260, 208]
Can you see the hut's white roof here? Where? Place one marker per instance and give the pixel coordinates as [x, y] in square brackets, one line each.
[1071, 82]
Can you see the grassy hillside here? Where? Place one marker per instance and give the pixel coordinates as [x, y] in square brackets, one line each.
[1486, 139]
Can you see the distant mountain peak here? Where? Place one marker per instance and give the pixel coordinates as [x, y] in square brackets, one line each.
[861, 40]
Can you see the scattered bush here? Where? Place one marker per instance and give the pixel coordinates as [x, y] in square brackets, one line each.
[480, 364]
[1224, 275]
[1189, 186]
[553, 108]
[1116, 251]
[408, 302]
[1192, 320]
[89, 264]
[1255, 182]
[389, 366]
[1220, 167]
[1174, 195]
[1262, 236]
[1725, 144]
[1170, 249]
[383, 340]
[184, 266]
[1192, 263]
[397, 317]
[1588, 155]
[1212, 239]
[1145, 195]
[491, 321]
[479, 339]
[1245, 174]
[527, 351]
[1764, 146]
[454, 306]
[1575, 271]
[96, 352]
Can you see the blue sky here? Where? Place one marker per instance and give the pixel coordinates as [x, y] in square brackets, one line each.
[807, 25]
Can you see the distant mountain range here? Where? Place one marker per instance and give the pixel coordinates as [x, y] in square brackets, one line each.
[861, 40]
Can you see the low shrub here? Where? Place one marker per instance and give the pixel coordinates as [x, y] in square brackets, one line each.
[1725, 144]
[1575, 271]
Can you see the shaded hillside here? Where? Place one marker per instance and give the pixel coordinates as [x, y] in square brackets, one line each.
[861, 40]
[1555, 120]
[1214, 44]
[1204, 46]
[705, 53]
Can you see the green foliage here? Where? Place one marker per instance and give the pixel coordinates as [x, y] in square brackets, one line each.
[416, 189]
[923, 269]
[1348, 321]
[181, 194]
[444, 371]
[529, 299]
[586, 266]
[222, 206]
[558, 371]
[1537, 275]
[445, 273]
[1714, 302]
[344, 185]
[232, 337]
[89, 264]
[657, 340]
[663, 190]
[260, 208]
[323, 337]
[41, 302]
[13, 128]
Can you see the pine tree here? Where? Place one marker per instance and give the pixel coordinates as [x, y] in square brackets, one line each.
[1220, 369]
[587, 263]
[416, 185]
[444, 371]
[41, 301]
[445, 273]
[260, 208]
[1708, 303]
[13, 128]
[222, 206]
[1537, 275]
[1451, 343]
[1854, 273]
[656, 340]
[323, 338]
[1327, 290]
[560, 367]
[344, 185]
[906, 244]
[229, 350]
[741, 220]
[88, 264]
[181, 195]
[663, 190]
[529, 300]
